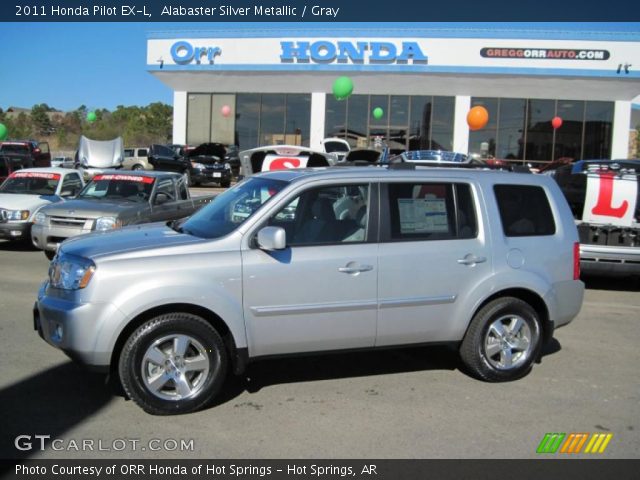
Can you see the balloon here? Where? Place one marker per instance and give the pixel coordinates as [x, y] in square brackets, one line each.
[378, 113]
[225, 110]
[477, 117]
[556, 122]
[91, 117]
[3, 131]
[342, 88]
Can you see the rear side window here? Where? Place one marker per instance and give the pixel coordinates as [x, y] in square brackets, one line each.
[430, 211]
[524, 210]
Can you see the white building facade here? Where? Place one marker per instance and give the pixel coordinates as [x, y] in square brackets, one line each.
[263, 84]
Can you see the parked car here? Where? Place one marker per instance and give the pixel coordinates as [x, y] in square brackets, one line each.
[603, 196]
[337, 146]
[279, 157]
[96, 156]
[209, 164]
[33, 153]
[330, 259]
[62, 162]
[26, 191]
[136, 159]
[112, 200]
[170, 158]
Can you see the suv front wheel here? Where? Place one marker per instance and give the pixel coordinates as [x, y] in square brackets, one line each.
[174, 363]
[503, 340]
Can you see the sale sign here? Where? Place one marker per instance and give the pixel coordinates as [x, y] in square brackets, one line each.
[278, 162]
[610, 199]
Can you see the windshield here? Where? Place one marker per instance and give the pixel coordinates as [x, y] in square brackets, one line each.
[331, 147]
[231, 209]
[118, 187]
[31, 183]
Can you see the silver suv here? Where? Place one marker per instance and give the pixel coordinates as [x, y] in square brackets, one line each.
[299, 261]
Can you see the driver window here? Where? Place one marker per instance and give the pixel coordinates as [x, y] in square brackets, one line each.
[327, 215]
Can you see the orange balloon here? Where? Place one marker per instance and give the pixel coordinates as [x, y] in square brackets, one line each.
[477, 118]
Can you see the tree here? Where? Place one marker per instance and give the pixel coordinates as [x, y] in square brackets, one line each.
[40, 119]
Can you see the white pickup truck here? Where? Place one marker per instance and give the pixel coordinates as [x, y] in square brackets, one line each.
[24, 192]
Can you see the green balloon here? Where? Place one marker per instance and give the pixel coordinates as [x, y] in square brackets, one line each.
[3, 131]
[91, 117]
[342, 88]
[378, 113]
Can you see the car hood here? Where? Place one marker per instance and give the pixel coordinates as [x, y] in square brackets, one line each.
[19, 201]
[92, 208]
[125, 240]
[100, 153]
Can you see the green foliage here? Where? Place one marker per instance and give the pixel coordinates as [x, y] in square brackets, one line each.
[139, 126]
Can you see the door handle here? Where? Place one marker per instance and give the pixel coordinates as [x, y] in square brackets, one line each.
[471, 259]
[354, 269]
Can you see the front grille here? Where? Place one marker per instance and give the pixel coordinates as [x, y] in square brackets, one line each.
[69, 221]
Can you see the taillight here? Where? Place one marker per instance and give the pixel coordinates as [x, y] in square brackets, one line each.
[576, 261]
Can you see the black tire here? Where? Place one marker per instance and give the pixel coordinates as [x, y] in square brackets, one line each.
[136, 370]
[486, 353]
[49, 254]
[226, 184]
[137, 167]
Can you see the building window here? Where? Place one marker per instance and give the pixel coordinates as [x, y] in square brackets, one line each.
[198, 118]
[408, 122]
[521, 129]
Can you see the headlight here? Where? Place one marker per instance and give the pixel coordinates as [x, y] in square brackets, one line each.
[69, 272]
[227, 166]
[107, 223]
[199, 166]
[40, 218]
[17, 214]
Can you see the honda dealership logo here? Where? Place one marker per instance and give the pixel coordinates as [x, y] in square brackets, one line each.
[325, 51]
[545, 53]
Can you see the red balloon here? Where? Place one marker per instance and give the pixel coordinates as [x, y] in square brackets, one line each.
[477, 117]
[556, 122]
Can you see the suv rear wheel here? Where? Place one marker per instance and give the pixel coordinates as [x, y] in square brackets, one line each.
[174, 363]
[503, 340]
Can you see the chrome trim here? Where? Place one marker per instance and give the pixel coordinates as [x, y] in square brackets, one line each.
[417, 301]
[313, 308]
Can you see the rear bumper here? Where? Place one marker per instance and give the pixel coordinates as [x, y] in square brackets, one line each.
[607, 260]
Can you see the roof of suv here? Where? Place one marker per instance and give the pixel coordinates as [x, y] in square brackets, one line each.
[381, 173]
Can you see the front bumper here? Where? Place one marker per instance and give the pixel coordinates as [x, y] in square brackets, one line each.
[206, 176]
[608, 260]
[49, 237]
[15, 230]
[78, 329]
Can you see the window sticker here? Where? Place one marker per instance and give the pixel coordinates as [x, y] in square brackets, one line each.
[423, 215]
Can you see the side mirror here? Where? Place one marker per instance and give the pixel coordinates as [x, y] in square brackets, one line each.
[67, 193]
[161, 198]
[272, 238]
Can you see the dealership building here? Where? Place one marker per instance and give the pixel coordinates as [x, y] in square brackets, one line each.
[262, 84]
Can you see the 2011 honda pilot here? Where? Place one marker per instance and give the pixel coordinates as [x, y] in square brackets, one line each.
[317, 260]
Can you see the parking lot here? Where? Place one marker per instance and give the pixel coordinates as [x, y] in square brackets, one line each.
[412, 403]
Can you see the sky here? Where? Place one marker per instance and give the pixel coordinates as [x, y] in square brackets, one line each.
[103, 65]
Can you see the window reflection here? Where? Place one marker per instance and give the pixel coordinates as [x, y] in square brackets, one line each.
[406, 123]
